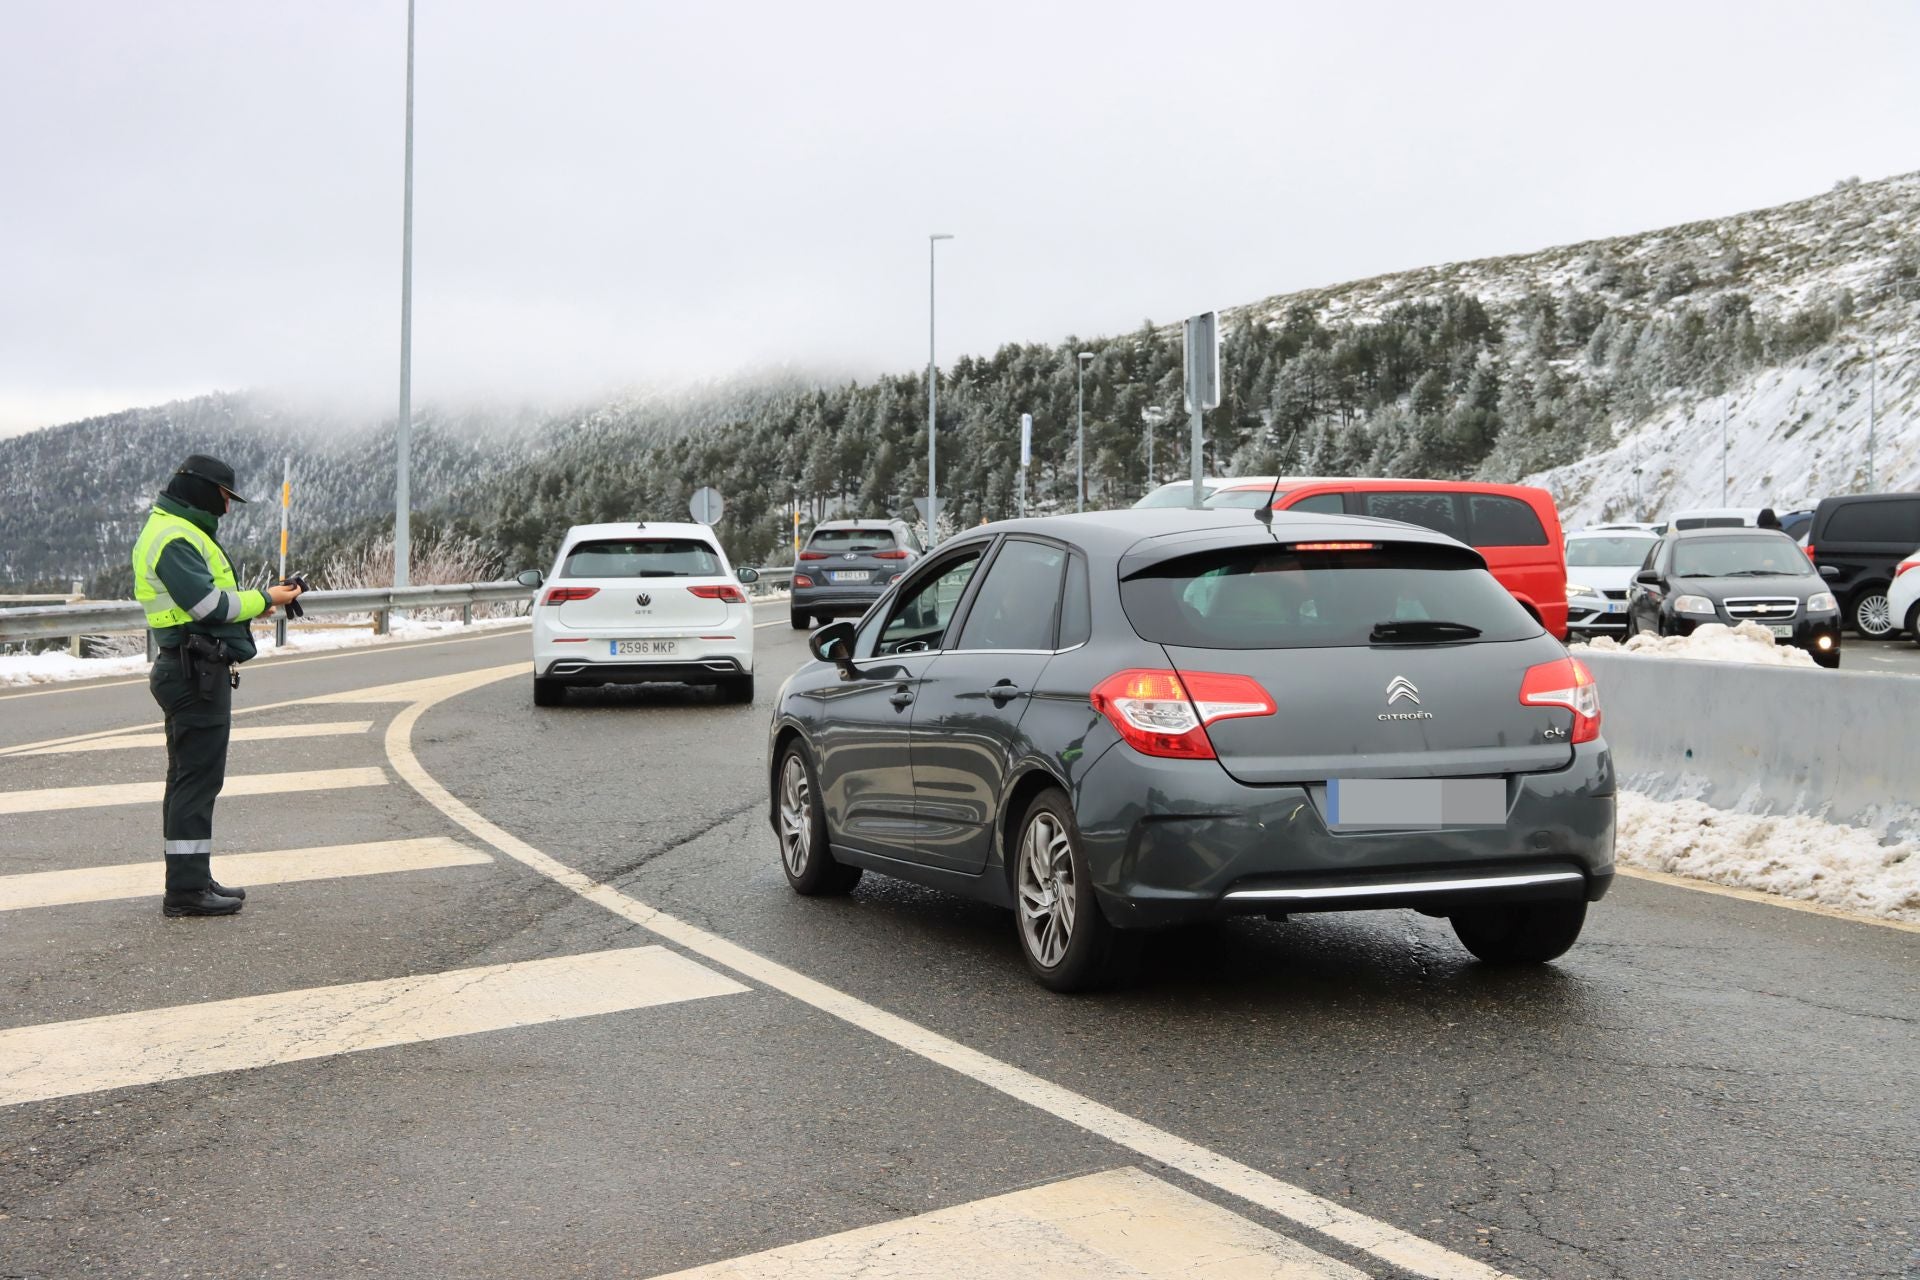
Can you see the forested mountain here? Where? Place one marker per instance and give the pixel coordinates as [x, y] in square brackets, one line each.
[1597, 369]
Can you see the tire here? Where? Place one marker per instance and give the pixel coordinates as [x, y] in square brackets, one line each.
[802, 826]
[1913, 622]
[1521, 932]
[548, 693]
[1067, 941]
[800, 621]
[738, 689]
[1871, 615]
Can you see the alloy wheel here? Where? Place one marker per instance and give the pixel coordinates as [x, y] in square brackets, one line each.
[796, 815]
[1046, 889]
[1873, 614]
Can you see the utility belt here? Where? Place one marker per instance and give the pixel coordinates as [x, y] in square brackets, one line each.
[206, 663]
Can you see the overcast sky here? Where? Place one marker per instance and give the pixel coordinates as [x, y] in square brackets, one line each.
[626, 193]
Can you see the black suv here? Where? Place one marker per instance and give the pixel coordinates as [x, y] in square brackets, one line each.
[1855, 543]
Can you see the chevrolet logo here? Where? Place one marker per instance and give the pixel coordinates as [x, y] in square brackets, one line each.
[1402, 688]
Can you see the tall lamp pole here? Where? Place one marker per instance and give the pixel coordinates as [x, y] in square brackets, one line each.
[1873, 409]
[1080, 425]
[403, 429]
[933, 492]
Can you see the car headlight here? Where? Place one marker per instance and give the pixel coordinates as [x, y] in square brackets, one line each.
[1694, 604]
[1578, 589]
[1822, 602]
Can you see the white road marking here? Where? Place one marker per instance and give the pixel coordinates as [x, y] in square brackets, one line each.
[261, 733]
[59, 1059]
[281, 866]
[1123, 1223]
[1764, 899]
[1352, 1228]
[48, 799]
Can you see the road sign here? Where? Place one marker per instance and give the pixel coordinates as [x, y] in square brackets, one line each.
[920, 505]
[706, 505]
[1203, 361]
[1026, 439]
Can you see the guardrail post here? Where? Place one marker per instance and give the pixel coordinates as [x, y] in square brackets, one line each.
[280, 631]
[77, 646]
[466, 615]
[380, 622]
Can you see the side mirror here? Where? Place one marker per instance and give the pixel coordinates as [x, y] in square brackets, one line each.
[530, 577]
[1647, 578]
[746, 577]
[833, 643]
[1830, 572]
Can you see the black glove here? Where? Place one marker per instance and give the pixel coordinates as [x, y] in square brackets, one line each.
[293, 606]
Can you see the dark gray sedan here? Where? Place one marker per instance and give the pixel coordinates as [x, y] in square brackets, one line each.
[1119, 721]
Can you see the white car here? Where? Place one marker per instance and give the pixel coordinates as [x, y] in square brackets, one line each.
[1903, 596]
[1600, 568]
[636, 603]
[1723, 518]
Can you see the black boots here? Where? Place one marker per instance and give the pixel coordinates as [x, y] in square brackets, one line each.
[191, 890]
[225, 892]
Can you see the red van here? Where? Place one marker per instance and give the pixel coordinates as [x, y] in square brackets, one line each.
[1516, 527]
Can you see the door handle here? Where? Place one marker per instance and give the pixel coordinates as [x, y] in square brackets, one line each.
[1005, 692]
[902, 699]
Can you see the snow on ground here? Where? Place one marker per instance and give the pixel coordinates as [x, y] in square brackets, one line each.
[1711, 642]
[54, 668]
[1792, 855]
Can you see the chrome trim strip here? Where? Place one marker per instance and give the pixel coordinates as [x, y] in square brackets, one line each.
[1318, 893]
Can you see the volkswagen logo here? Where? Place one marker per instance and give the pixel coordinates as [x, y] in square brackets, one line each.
[643, 599]
[1400, 688]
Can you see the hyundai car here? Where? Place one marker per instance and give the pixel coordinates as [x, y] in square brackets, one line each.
[637, 603]
[1735, 575]
[846, 564]
[1121, 721]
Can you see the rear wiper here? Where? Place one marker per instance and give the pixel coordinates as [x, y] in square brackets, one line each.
[1413, 630]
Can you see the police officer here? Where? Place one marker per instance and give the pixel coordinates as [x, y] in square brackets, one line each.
[199, 618]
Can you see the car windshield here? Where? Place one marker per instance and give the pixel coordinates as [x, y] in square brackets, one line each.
[1247, 499]
[1591, 553]
[1279, 597]
[1173, 495]
[1739, 557]
[642, 558]
[840, 540]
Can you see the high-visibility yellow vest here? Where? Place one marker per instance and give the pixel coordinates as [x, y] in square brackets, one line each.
[162, 528]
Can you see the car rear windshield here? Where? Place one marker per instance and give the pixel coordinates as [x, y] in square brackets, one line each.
[642, 558]
[1590, 553]
[1277, 597]
[1739, 557]
[838, 540]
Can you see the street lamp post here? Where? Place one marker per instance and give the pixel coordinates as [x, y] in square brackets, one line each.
[933, 491]
[1723, 448]
[1873, 395]
[403, 428]
[1080, 425]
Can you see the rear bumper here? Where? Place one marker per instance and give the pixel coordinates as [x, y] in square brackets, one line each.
[837, 600]
[1808, 629]
[1174, 841]
[575, 671]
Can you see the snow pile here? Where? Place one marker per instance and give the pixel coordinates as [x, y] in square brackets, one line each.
[1711, 642]
[56, 667]
[1793, 855]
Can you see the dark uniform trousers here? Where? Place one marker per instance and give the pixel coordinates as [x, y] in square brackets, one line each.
[197, 732]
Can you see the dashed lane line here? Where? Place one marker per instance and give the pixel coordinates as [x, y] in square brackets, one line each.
[60, 1059]
[50, 799]
[261, 733]
[1121, 1223]
[279, 866]
[1296, 1204]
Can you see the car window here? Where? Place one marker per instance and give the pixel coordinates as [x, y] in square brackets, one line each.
[918, 620]
[1774, 553]
[839, 540]
[1875, 522]
[1624, 552]
[1327, 504]
[1494, 521]
[1018, 600]
[641, 558]
[1076, 610]
[1436, 511]
[1276, 597]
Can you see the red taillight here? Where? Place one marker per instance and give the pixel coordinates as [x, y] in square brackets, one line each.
[802, 580]
[1166, 713]
[1566, 683]
[813, 555]
[1905, 565]
[727, 592]
[560, 595]
[1809, 551]
[1334, 546]
[889, 555]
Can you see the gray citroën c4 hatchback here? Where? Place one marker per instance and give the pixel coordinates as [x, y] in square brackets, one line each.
[1119, 721]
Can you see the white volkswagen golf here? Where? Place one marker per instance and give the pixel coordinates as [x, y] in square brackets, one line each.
[636, 603]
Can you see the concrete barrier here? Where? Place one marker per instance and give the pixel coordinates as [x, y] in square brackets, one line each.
[1766, 740]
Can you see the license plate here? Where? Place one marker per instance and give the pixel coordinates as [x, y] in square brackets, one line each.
[853, 575]
[1416, 803]
[643, 648]
[1781, 632]
[1616, 606]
